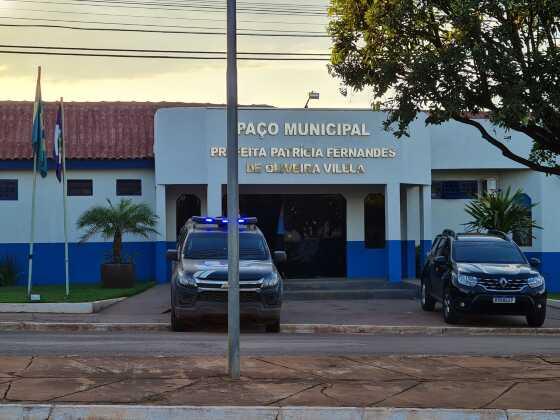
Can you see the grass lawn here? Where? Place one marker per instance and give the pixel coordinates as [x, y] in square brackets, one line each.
[555, 296]
[78, 293]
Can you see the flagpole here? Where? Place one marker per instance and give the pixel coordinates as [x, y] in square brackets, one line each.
[63, 151]
[32, 235]
[32, 239]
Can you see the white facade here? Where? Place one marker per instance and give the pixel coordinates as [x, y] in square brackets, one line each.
[189, 159]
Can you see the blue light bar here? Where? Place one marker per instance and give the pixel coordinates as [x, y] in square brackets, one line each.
[205, 220]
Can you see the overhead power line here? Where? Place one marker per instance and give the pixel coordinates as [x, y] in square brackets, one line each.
[171, 57]
[150, 6]
[205, 5]
[255, 53]
[265, 22]
[80, 28]
[90, 22]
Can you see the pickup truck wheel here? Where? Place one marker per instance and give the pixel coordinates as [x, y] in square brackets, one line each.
[450, 314]
[177, 325]
[427, 301]
[536, 318]
[273, 327]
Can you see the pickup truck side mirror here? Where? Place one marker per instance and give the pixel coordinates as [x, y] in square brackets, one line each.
[534, 262]
[172, 255]
[279, 257]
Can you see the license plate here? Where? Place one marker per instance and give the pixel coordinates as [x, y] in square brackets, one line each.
[504, 299]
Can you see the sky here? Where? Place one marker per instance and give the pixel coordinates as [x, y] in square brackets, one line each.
[276, 83]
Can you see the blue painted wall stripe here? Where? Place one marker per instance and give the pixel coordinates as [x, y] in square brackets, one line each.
[85, 260]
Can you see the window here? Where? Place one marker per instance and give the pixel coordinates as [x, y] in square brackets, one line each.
[374, 214]
[487, 252]
[80, 187]
[525, 236]
[129, 187]
[8, 189]
[214, 246]
[454, 189]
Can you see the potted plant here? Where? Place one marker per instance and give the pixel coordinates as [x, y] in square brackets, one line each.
[112, 222]
[501, 211]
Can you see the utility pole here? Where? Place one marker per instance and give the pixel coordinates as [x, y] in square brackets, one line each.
[232, 194]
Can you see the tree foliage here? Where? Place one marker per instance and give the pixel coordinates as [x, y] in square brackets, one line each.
[456, 59]
[112, 222]
[501, 211]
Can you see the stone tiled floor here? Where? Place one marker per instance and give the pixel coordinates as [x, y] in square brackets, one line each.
[388, 381]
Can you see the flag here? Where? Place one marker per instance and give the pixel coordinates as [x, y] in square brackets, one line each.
[38, 133]
[58, 143]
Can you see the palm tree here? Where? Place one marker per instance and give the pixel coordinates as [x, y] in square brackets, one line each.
[501, 211]
[112, 222]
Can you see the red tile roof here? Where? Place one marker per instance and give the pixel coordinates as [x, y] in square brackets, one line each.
[94, 130]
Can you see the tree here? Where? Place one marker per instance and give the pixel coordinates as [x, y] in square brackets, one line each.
[112, 222]
[457, 59]
[501, 211]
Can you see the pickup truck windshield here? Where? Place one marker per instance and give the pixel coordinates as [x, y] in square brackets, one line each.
[487, 252]
[213, 246]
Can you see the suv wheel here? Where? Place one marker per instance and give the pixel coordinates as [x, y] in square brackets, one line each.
[427, 301]
[536, 317]
[450, 314]
[273, 327]
[176, 324]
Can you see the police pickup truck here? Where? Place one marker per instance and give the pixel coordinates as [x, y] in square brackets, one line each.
[199, 282]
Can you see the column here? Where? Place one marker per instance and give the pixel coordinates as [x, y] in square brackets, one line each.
[214, 199]
[393, 232]
[412, 229]
[161, 264]
[425, 221]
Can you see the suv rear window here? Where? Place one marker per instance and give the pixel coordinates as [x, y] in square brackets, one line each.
[496, 252]
[213, 246]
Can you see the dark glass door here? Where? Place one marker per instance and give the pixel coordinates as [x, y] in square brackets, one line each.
[310, 228]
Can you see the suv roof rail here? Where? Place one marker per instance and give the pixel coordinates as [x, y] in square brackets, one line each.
[449, 232]
[499, 233]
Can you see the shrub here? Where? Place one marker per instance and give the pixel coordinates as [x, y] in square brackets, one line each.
[8, 271]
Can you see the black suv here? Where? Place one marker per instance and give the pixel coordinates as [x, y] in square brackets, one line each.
[482, 273]
[199, 282]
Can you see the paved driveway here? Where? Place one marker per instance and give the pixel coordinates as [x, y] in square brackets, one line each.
[153, 306]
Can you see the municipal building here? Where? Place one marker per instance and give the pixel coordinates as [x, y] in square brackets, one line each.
[342, 196]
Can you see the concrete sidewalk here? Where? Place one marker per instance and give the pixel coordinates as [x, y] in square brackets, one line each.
[529, 383]
[153, 306]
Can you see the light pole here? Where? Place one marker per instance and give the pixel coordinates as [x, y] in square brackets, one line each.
[232, 194]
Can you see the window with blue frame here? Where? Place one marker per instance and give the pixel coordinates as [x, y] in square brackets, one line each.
[8, 189]
[453, 190]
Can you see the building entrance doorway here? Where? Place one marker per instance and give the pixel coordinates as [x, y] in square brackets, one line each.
[310, 228]
[188, 205]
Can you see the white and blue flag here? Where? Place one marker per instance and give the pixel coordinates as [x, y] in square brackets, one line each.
[58, 143]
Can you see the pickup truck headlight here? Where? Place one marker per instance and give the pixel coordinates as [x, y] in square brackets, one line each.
[187, 280]
[535, 281]
[271, 280]
[466, 280]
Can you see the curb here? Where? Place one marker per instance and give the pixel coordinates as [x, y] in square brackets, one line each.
[83, 326]
[138, 412]
[413, 330]
[381, 330]
[553, 303]
[59, 308]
